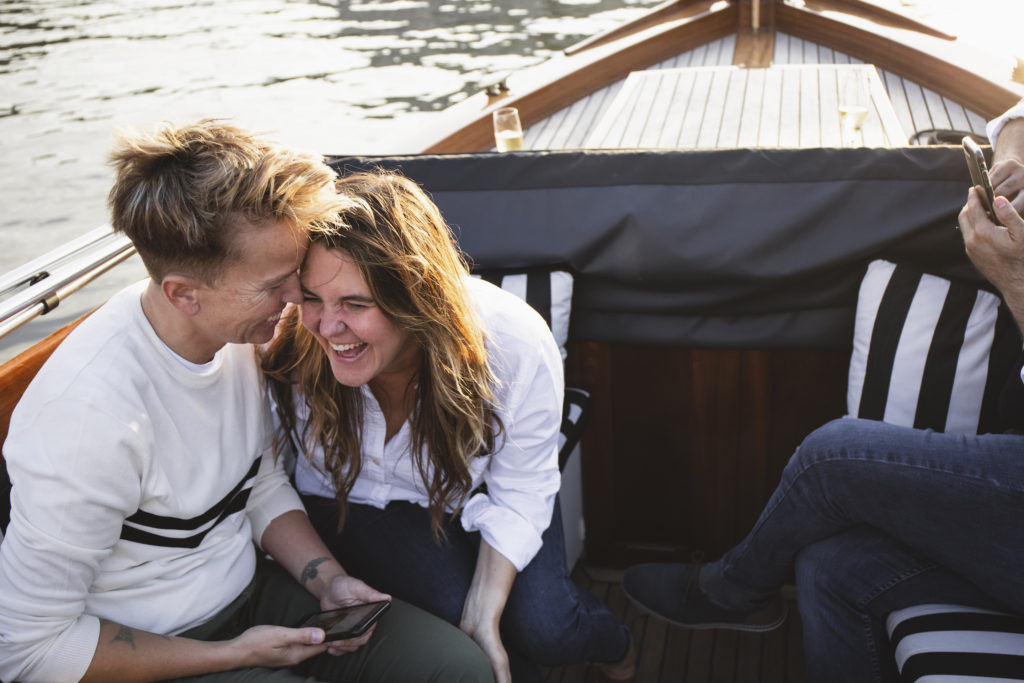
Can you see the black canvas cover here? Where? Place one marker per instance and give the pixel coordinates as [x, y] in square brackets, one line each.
[722, 248]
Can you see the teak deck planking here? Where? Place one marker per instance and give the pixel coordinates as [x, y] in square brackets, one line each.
[667, 653]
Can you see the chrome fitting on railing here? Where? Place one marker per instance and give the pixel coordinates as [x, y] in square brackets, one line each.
[38, 287]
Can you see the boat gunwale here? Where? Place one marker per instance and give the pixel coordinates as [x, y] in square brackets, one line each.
[547, 89]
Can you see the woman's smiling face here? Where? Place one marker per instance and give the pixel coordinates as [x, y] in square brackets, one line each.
[361, 342]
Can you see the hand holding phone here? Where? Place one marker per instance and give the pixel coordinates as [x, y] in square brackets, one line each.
[351, 621]
[979, 175]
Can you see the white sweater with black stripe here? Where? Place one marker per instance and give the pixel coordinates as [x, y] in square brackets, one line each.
[139, 488]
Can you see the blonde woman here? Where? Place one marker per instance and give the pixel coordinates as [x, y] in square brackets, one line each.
[426, 407]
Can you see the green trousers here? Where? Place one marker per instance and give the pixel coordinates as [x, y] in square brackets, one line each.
[408, 645]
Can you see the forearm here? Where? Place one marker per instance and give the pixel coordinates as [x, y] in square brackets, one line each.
[293, 542]
[127, 654]
[488, 592]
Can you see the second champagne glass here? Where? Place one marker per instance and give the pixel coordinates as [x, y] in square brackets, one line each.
[853, 106]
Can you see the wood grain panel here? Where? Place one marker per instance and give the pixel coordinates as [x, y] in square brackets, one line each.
[686, 445]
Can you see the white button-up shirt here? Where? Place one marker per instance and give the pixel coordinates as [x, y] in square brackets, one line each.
[522, 474]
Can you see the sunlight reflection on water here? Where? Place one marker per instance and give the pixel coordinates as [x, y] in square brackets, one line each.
[338, 77]
[330, 76]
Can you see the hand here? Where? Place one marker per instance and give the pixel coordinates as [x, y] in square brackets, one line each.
[487, 636]
[996, 251]
[277, 646]
[347, 590]
[1007, 178]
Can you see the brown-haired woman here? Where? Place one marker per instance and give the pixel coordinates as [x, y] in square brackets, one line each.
[426, 407]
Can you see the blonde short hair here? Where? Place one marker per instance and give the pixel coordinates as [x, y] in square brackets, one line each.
[181, 193]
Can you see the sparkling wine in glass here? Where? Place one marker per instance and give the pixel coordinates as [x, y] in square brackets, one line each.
[508, 132]
[853, 106]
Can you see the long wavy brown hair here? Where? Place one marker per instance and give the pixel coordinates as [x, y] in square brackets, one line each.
[407, 255]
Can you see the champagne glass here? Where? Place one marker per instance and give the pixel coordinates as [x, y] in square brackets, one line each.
[853, 106]
[508, 132]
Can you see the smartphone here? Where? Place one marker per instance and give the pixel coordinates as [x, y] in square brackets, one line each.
[346, 622]
[979, 175]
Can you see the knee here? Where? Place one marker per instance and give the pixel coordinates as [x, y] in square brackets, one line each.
[835, 443]
[468, 665]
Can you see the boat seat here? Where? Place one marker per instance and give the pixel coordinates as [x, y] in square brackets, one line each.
[953, 643]
[937, 642]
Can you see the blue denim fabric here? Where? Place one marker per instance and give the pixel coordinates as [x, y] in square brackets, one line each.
[945, 513]
[548, 620]
[848, 583]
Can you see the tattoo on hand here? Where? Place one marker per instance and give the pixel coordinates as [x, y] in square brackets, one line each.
[309, 572]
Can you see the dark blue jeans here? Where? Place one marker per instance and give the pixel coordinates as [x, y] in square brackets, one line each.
[548, 619]
[875, 517]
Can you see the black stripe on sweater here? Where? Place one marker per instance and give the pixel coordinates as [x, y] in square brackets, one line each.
[233, 502]
[143, 518]
[134, 535]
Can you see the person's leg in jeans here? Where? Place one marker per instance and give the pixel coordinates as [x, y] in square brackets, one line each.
[846, 586]
[547, 618]
[955, 499]
[554, 621]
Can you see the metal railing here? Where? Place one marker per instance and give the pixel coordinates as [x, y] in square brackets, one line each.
[39, 286]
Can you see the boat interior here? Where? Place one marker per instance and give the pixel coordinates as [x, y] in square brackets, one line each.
[690, 171]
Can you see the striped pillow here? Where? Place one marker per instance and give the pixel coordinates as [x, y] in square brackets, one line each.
[954, 644]
[547, 290]
[929, 353]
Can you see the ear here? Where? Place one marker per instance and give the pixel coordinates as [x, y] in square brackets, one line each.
[182, 292]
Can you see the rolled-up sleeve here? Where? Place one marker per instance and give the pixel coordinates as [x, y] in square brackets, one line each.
[272, 495]
[995, 126]
[522, 476]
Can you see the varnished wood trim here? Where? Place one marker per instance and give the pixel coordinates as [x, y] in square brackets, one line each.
[754, 49]
[978, 93]
[882, 15]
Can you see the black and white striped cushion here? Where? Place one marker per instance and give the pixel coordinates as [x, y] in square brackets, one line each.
[955, 644]
[929, 353]
[547, 290]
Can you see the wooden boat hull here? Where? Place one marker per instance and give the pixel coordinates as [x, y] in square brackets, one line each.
[982, 81]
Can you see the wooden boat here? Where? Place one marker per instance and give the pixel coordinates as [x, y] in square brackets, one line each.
[935, 82]
[697, 403]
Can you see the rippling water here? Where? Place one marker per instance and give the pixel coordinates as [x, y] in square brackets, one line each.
[330, 76]
[337, 76]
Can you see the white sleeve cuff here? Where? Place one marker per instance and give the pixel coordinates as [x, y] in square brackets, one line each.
[283, 500]
[995, 126]
[508, 533]
[67, 658]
